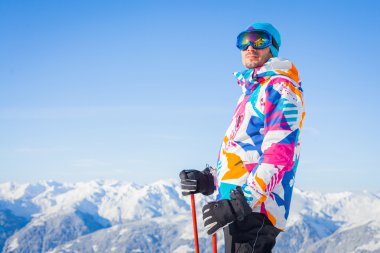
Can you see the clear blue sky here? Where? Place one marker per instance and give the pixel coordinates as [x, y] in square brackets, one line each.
[139, 90]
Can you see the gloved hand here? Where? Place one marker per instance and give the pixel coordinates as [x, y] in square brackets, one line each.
[218, 214]
[195, 181]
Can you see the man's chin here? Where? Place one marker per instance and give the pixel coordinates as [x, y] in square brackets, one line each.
[251, 65]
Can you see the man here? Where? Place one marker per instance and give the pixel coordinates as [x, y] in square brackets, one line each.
[259, 155]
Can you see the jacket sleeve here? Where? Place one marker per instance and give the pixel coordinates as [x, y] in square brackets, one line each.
[283, 114]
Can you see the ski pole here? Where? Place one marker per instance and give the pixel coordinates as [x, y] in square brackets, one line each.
[214, 245]
[194, 214]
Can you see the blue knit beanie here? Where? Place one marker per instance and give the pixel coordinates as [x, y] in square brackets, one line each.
[270, 29]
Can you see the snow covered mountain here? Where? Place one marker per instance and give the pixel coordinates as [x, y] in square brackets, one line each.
[112, 216]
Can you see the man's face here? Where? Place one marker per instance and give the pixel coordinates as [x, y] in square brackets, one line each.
[253, 58]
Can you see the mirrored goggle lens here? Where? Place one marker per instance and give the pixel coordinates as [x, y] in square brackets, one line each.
[257, 39]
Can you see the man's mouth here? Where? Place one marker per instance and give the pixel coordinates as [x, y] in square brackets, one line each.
[252, 56]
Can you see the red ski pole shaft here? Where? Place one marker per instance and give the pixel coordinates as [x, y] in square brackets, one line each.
[194, 214]
[214, 244]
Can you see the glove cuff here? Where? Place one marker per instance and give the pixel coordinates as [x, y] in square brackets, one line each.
[240, 209]
[209, 187]
[239, 204]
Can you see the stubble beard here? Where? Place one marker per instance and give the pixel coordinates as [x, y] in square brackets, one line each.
[251, 64]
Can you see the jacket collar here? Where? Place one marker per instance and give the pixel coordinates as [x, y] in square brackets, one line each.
[249, 79]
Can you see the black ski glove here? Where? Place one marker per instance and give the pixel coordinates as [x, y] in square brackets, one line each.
[195, 181]
[218, 214]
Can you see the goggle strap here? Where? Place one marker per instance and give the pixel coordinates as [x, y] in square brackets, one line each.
[274, 43]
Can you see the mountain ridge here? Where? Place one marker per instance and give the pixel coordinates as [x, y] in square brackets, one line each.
[52, 216]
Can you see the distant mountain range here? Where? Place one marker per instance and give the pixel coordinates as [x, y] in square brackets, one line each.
[113, 216]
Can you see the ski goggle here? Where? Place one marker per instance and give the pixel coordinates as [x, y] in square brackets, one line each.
[257, 39]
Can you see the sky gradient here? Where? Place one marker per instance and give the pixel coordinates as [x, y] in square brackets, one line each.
[139, 90]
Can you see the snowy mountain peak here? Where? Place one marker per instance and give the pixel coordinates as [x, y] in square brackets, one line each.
[69, 217]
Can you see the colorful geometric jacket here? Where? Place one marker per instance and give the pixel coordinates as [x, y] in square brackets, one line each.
[260, 150]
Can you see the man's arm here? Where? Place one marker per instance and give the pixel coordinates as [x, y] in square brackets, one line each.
[283, 116]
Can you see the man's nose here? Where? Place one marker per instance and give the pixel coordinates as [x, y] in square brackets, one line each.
[251, 48]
